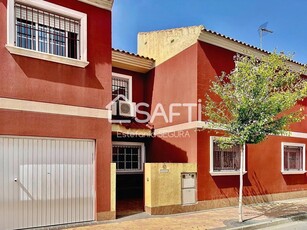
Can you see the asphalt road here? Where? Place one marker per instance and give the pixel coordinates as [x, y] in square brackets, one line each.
[297, 225]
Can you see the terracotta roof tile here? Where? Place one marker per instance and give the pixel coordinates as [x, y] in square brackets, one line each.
[132, 54]
[246, 44]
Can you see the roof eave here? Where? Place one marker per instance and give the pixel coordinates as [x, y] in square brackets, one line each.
[130, 62]
[104, 4]
[237, 47]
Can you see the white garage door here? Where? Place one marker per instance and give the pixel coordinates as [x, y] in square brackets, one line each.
[45, 181]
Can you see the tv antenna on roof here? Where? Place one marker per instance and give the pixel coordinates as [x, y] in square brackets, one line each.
[263, 31]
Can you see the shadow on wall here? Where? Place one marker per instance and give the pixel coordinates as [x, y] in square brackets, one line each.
[162, 151]
[60, 73]
[224, 182]
[233, 181]
[149, 86]
[256, 193]
[229, 188]
[214, 54]
[252, 192]
[298, 179]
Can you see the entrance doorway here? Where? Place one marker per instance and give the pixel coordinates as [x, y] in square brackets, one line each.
[129, 194]
[129, 159]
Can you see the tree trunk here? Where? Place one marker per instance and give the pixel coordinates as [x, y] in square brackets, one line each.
[241, 184]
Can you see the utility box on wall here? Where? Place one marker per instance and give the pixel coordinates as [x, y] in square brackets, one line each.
[163, 187]
[188, 188]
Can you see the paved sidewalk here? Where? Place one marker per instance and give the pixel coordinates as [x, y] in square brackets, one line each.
[265, 214]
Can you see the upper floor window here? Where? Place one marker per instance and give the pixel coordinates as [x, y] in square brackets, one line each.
[121, 86]
[43, 27]
[293, 158]
[225, 161]
[47, 32]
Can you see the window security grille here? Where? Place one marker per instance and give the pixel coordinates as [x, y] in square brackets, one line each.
[226, 159]
[120, 86]
[46, 32]
[293, 158]
[127, 158]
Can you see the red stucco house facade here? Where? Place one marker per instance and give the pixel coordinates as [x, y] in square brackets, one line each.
[74, 147]
[187, 61]
[55, 83]
[183, 75]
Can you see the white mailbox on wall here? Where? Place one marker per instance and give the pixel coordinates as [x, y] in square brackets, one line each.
[188, 188]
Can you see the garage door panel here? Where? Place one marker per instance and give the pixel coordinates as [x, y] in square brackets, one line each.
[4, 180]
[54, 181]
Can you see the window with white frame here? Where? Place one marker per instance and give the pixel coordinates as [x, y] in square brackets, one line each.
[46, 32]
[224, 161]
[47, 28]
[128, 156]
[121, 86]
[293, 158]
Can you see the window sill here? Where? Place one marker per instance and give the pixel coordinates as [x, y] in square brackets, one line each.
[292, 172]
[46, 57]
[227, 173]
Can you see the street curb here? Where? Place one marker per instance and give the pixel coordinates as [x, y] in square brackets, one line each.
[272, 222]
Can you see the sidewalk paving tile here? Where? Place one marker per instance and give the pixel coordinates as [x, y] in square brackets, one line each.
[222, 218]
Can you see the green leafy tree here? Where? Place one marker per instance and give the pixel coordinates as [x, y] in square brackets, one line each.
[258, 98]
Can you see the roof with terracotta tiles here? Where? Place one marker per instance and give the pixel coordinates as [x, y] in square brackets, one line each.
[202, 28]
[245, 44]
[132, 54]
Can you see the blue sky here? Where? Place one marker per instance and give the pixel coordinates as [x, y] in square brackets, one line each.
[239, 19]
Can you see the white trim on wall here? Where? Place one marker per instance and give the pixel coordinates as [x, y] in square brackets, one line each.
[204, 125]
[298, 135]
[46, 56]
[51, 108]
[181, 127]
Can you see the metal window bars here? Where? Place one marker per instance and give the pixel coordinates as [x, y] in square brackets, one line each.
[293, 158]
[47, 32]
[127, 158]
[120, 86]
[226, 159]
